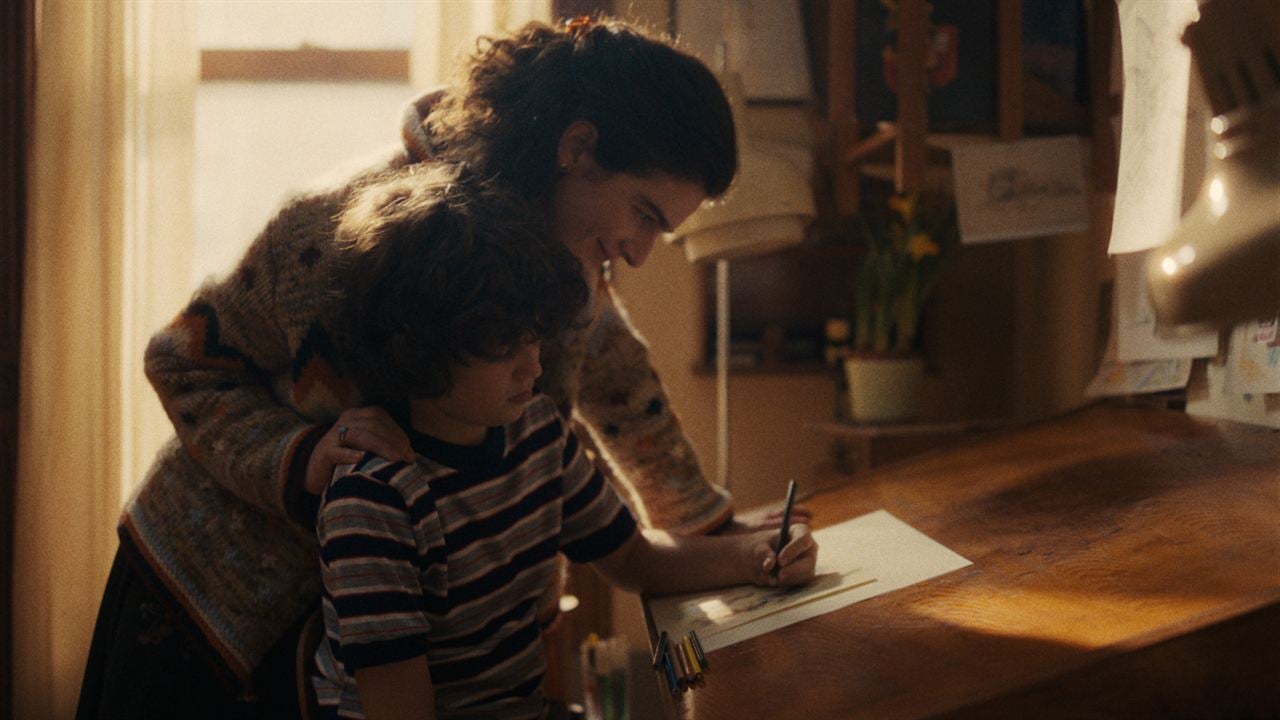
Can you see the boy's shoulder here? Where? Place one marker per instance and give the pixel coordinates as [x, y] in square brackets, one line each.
[371, 472]
[541, 414]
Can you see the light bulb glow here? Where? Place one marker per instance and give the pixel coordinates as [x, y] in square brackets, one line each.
[1217, 196]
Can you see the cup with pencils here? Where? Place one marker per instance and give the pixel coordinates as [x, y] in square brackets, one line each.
[604, 677]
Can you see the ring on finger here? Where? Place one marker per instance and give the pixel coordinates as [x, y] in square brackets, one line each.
[342, 434]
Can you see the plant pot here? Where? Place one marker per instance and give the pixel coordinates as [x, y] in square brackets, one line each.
[884, 389]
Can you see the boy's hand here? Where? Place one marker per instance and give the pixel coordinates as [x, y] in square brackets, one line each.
[795, 563]
[756, 520]
[357, 431]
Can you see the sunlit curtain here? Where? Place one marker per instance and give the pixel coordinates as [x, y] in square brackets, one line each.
[110, 226]
[447, 29]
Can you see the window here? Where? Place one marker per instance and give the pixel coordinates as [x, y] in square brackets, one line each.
[288, 91]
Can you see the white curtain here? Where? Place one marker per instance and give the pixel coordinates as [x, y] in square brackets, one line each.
[108, 254]
[110, 224]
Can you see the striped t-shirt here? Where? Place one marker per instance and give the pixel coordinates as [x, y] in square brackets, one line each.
[447, 557]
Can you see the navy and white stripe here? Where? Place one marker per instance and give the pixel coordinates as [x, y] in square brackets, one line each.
[447, 557]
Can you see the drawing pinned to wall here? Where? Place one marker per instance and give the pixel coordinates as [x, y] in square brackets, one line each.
[1053, 44]
[1028, 188]
[1253, 359]
[1157, 71]
[1136, 378]
[961, 64]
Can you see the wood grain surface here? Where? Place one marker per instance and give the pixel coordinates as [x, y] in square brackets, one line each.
[1126, 564]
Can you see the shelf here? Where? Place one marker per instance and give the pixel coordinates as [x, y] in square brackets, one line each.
[867, 430]
[781, 369]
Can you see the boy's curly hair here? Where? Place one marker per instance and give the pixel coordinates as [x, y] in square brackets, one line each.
[656, 108]
[439, 266]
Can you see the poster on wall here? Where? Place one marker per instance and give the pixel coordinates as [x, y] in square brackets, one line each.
[1022, 189]
[961, 64]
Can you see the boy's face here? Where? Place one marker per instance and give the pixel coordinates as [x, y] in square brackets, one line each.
[485, 393]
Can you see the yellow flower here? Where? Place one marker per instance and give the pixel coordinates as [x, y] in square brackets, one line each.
[904, 205]
[920, 245]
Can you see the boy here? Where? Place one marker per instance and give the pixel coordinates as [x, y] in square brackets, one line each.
[432, 569]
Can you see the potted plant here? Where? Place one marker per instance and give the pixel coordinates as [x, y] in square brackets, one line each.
[906, 250]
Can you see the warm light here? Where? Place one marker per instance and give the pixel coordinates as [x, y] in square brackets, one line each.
[1170, 264]
[1217, 196]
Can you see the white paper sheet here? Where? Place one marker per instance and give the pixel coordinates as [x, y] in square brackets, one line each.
[1135, 320]
[857, 559]
[1023, 189]
[1117, 378]
[1253, 359]
[1157, 70]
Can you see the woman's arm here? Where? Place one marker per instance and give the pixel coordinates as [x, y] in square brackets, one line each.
[625, 406]
[659, 562]
[213, 367]
[397, 691]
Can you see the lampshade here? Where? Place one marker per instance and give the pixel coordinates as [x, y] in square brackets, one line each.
[767, 208]
[1222, 265]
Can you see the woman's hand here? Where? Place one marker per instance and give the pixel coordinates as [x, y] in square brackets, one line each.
[795, 564]
[357, 431]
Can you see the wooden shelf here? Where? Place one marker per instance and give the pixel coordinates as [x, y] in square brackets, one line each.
[867, 430]
[779, 369]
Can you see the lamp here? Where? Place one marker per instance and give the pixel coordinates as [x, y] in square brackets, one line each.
[767, 208]
[1222, 264]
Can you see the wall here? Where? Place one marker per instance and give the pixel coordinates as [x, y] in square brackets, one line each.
[1013, 334]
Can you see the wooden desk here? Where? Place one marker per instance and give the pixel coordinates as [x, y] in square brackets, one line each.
[1126, 564]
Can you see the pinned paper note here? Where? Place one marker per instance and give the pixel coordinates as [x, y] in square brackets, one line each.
[1117, 378]
[1136, 378]
[1023, 189]
[1253, 359]
[1134, 326]
[857, 559]
[1157, 67]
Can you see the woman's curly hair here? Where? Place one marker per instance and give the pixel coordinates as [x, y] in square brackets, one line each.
[656, 108]
[439, 266]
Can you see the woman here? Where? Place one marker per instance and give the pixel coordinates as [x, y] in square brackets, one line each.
[618, 137]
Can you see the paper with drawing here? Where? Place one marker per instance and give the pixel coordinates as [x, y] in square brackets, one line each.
[857, 559]
[1023, 189]
[1157, 71]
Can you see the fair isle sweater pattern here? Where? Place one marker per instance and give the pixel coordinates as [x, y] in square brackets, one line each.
[246, 375]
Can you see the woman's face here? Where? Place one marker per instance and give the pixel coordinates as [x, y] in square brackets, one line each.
[602, 216]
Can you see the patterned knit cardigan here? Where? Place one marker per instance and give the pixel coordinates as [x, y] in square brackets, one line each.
[246, 375]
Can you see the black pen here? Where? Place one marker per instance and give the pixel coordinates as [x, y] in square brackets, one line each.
[784, 533]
